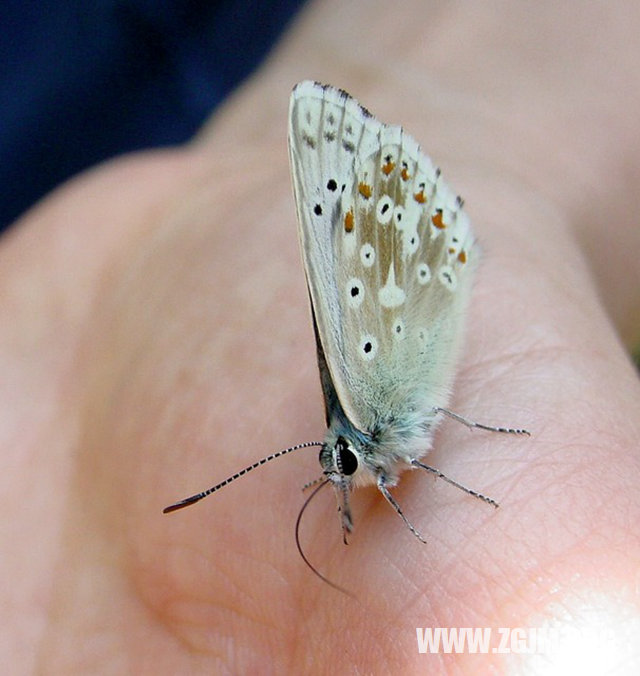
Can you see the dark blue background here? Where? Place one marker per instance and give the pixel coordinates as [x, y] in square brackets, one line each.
[83, 81]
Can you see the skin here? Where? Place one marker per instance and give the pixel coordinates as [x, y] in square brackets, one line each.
[155, 338]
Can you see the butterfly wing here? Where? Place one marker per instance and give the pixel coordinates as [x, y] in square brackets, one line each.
[388, 254]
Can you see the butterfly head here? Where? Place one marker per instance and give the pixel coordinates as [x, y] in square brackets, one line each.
[343, 458]
[341, 461]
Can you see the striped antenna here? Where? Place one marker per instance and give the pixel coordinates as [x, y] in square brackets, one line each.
[322, 483]
[199, 496]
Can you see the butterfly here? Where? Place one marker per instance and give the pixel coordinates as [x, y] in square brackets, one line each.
[389, 257]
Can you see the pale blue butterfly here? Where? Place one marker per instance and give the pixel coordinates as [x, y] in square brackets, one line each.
[389, 255]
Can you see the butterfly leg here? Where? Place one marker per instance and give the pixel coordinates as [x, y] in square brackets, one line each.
[440, 475]
[314, 482]
[471, 423]
[346, 522]
[382, 487]
[344, 510]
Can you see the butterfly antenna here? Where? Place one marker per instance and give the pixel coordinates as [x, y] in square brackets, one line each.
[299, 546]
[199, 496]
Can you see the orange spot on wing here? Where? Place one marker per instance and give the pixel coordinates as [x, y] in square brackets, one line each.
[348, 221]
[436, 219]
[405, 174]
[462, 257]
[419, 197]
[388, 167]
[365, 190]
[452, 250]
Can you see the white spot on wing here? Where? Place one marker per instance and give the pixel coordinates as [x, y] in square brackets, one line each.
[410, 242]
[355, 292]
[384, 209]
[367, 255]
[399, 331]
[391, 295]
[422, 336]
[447, 277]
[399, 217]
[424, 273]
[368, 347]
[349, 242]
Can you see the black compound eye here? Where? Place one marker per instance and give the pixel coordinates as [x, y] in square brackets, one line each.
[347, 459]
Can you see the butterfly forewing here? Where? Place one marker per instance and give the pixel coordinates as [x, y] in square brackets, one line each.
[387, 252]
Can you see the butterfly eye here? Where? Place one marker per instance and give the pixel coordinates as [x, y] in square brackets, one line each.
[347, 460]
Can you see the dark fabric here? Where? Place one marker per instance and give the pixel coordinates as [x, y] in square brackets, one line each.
[81, 82]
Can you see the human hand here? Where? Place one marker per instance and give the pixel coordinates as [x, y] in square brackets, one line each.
[156, 339]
